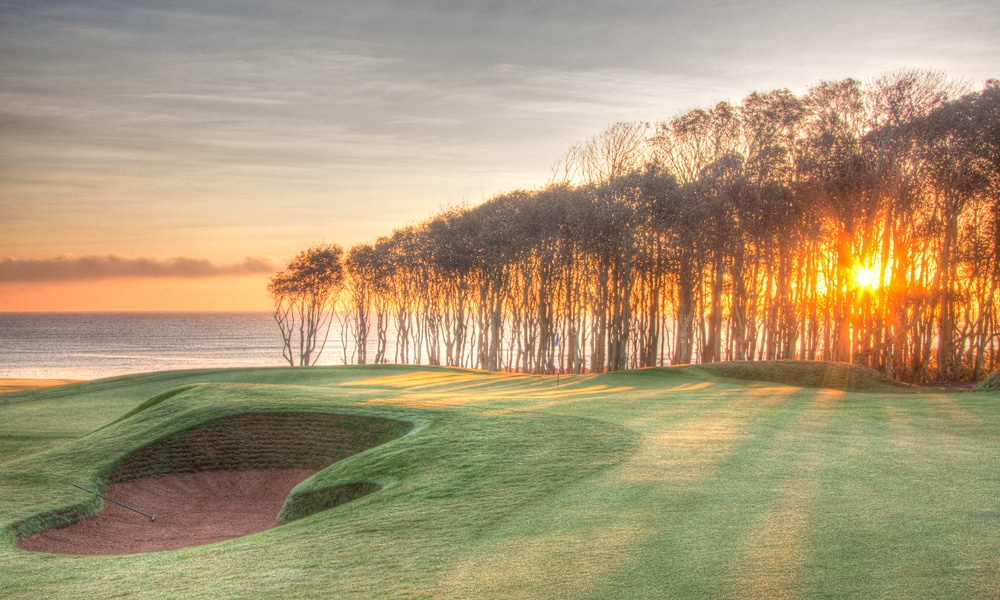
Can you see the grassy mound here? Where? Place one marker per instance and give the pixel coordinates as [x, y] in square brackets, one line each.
[809, 374]
[299, 505]
[990, 384]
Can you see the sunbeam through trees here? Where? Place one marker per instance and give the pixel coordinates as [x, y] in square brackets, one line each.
[859, 223]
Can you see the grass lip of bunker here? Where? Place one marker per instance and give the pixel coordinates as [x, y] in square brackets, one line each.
[222, 479]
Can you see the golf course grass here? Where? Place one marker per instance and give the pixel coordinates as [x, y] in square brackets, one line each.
[731, 481]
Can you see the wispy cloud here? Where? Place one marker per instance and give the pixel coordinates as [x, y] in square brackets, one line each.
[124, 123]
[113, 266]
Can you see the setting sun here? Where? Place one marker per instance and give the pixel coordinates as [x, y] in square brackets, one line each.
[866, 277]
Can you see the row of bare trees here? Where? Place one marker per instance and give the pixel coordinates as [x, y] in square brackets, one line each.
[858, 223]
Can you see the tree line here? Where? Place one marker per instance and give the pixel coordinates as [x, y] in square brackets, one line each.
[857, 223]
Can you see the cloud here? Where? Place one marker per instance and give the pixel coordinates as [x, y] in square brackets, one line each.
[113, 266]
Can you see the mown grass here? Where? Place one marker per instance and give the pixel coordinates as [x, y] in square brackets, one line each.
[674, 483]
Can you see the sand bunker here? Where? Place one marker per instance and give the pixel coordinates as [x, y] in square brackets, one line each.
[220, 480]
[190, 509]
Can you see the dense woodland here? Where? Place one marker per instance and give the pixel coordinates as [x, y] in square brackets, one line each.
[858, 223]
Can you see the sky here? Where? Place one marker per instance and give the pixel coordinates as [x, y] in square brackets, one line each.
[171, 155]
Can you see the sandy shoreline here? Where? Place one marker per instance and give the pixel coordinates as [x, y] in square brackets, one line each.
[16, 385]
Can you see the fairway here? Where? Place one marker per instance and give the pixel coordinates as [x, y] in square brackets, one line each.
[660, 483]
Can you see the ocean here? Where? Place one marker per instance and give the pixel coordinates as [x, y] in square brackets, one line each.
[96, 345]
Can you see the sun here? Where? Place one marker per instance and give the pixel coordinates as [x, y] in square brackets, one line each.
[865, 277]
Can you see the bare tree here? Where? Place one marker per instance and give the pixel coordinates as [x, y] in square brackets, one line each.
[363, 283]
[618, 150]
[305, 296]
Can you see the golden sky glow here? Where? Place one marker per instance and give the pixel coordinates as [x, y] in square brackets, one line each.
[159, 131]
[212, 294]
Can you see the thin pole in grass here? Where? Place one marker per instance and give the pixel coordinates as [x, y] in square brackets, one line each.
[150, 517]
[555, 351]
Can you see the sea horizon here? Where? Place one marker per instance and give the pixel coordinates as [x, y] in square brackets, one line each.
[87, 345]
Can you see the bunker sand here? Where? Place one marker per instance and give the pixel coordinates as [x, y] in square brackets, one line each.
[190, 509]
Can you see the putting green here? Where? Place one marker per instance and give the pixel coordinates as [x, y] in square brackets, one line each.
[658, 483]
